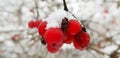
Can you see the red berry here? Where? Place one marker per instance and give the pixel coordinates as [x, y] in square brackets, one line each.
[70, 39]
[41, 28]
[53, 35]
[16, 37]
[65, 36]
[31, 24]
[32, 10]
[37, 22]
[53, 48]
[74, 27]
[81, 41]
[106, 11]
[78, 45]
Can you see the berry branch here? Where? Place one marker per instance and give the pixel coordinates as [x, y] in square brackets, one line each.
[72, 14]
[37, 11]
[65, 5]
[92, 47]
[115, 53]
[19, 13]
[66, 9]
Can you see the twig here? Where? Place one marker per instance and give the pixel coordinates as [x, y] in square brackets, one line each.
[115, 53]
[65, 5]
[66, 9]
[97, 50]
[37, 11]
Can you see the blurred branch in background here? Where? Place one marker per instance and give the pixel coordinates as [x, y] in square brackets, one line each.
[100, 17]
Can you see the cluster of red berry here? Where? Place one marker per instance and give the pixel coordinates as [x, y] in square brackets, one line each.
[70, 31]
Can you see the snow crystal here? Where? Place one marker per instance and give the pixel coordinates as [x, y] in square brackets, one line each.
[116, 39]
[9, 43]
[54, 20]
[2, 38]
[67, 46]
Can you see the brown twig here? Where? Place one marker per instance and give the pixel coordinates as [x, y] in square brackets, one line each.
[93, 47]
[115, 53]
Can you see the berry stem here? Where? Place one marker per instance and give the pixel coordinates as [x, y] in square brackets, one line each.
[65, 5]
[72, 14]
[66, 9]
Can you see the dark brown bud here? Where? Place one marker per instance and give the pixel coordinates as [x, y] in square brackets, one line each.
[84, 29]
[64, 24]
[43, 41]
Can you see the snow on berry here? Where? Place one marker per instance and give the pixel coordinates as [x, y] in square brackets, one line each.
[55, 19]
[61, 27]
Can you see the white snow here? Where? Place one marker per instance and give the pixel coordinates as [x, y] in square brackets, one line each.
[67, 46]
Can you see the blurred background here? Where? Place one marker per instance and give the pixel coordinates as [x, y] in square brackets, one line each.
[100, 17]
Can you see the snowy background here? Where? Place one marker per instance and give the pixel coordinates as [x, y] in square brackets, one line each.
[100, 17]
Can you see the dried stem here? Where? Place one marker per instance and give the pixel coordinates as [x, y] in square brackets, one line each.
[37, 11]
